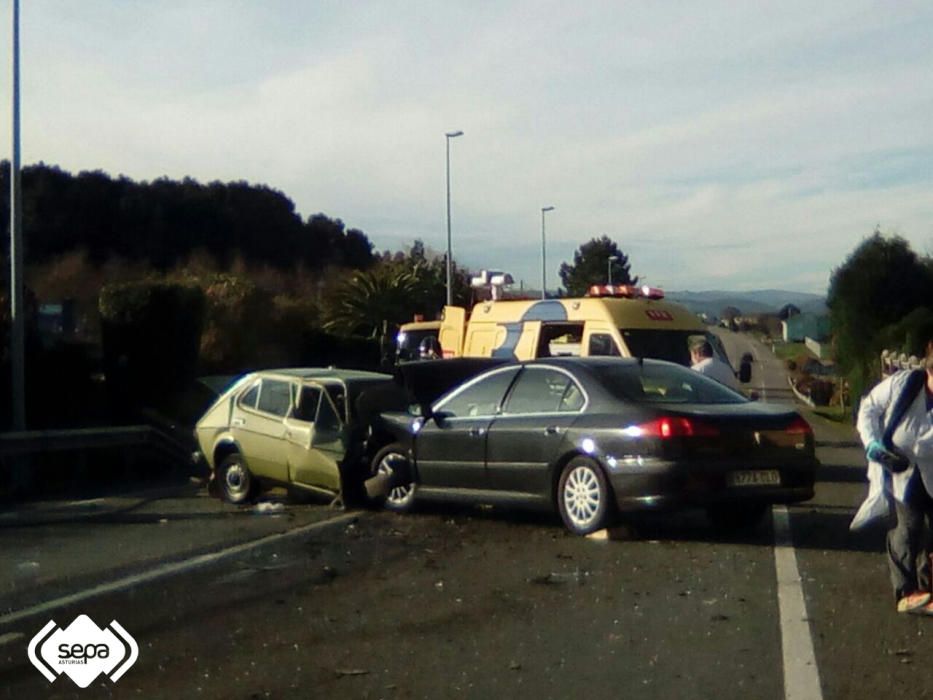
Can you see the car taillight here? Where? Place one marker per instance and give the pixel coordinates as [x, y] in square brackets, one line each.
[799, 426]
[672, 426]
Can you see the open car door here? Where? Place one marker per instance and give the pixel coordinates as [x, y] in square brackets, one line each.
[316, 439]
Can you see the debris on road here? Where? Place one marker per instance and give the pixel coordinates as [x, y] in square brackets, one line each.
[619, 533]
[342, 672]
[269, 508]
[559, 577]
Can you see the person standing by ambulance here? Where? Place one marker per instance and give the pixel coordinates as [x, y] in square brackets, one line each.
[703, 360]
[905, 452]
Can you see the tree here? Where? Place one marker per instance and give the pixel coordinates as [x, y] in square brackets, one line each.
[591, 265]
[369, 301]
[880, 283]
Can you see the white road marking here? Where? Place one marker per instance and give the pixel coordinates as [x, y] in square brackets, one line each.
[10, 637]
[801, 675]
[166, 570]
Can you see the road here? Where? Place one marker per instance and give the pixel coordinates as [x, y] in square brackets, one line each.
[467, 602]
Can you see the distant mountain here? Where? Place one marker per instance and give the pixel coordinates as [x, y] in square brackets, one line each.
[755, 302]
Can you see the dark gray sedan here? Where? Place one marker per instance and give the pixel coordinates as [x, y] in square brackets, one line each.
[595, 436]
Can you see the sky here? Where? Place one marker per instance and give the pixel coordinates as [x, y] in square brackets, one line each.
[721, 145]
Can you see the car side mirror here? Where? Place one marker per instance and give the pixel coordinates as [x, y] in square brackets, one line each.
[440, 417]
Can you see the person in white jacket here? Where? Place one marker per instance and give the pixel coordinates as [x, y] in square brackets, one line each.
[910, 485]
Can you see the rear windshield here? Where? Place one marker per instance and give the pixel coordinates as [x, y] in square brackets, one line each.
[672, 346]
[659, 383]
[661, 345]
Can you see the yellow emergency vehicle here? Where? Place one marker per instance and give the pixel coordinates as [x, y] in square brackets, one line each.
[613, 320]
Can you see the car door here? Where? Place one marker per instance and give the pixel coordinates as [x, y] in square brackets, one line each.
[526, 436]
[316, 438]
[450, 448]
[258, 426]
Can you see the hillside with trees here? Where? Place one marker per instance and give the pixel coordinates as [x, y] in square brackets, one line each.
[164, 222]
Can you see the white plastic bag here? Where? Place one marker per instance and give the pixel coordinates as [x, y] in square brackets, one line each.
[878, 502]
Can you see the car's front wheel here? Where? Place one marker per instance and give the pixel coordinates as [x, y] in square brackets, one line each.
[237, 484]
[584, 498]
[388, 460]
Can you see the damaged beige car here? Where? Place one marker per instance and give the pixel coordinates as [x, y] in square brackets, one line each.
[297, 428]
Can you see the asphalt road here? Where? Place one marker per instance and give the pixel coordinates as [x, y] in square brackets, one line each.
[467, 602]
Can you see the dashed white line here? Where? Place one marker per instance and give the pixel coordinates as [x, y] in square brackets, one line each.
[801, 675]
[166, 570]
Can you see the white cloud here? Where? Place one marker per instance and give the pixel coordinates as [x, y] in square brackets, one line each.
[678, 130]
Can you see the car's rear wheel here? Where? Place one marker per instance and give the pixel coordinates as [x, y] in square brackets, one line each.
[732, 517]
[237, 484]
[387, 461]
[584, 498]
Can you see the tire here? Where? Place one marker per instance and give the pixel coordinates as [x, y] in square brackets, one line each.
[237, 484]
[584, 498]
[402, 498]
[735, 517]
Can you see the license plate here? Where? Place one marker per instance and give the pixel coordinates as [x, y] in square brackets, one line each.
[758, 477]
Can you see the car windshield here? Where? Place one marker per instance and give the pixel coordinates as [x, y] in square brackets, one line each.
[663, 383]
[408, 343]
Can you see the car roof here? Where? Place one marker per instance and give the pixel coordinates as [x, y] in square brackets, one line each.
[618, 312]
[596, 361]
[323, 373]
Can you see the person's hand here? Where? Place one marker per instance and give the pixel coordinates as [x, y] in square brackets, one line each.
[894, 461]
[875, 451]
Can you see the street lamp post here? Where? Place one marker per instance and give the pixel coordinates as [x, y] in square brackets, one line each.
[17, 318]
[450, 297]
[611, 259]
[544, 210]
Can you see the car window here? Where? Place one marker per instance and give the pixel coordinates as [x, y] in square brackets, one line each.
[248, 397]
[338, 395]
[274, 397]
[573, 399]
[663, 383]
[327, 418]
[480, 398]
[559, 339]
[540, 390]
[602, 344]
[308, 400]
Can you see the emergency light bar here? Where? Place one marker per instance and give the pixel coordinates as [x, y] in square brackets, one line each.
[625, 291]
[494, 280]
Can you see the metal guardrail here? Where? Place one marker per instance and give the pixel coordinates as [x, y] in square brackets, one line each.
[41, 441]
